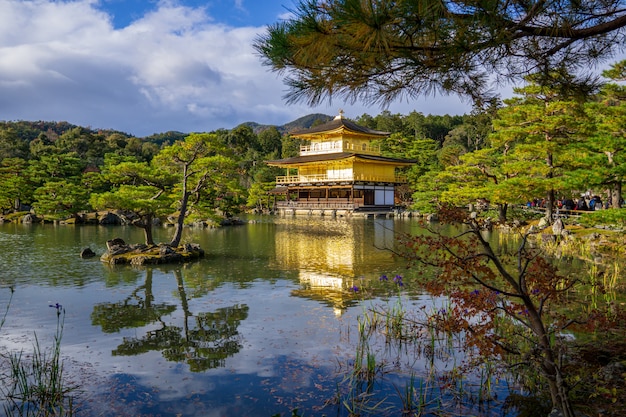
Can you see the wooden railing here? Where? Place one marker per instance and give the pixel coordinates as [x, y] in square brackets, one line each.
[332, 147]
[321, 178]
[321, 204]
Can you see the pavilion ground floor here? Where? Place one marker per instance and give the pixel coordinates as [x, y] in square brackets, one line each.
[331, 199]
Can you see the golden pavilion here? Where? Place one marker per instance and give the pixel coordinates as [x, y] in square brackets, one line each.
[339, 170]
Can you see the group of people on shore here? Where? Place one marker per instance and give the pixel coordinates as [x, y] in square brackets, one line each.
[585, 202]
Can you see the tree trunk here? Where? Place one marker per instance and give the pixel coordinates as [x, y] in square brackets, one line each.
[558, 390]
[616, 195]
[145, 223]
[550, 367]
[149, 296]
[550, 200]
[502, 209]
[147, 230]
[178, 232]
[183, 301]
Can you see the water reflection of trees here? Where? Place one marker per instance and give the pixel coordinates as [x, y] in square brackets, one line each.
[135, 311]
[203, 341]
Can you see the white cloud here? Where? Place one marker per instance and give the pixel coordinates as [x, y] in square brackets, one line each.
[175, 68]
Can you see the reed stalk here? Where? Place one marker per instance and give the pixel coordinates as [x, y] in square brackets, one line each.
[34, 385]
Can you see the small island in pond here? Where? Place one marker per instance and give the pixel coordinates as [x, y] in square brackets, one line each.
[119, 253]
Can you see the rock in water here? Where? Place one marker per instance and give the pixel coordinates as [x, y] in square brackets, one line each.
[87, 253]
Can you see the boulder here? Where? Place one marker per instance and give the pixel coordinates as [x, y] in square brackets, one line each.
[117, 246]
[558, 227]
[109, 218]
[29, 218]
[87, 253]
[191, 247]
[543, 223]
[165, 250]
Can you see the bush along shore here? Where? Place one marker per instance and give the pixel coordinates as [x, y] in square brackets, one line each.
[108, 218]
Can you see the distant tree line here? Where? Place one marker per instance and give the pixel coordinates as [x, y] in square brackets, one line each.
[542, 143]
[57, 168]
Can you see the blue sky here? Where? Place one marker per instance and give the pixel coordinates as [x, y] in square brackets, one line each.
[230, 12]
[150, 66]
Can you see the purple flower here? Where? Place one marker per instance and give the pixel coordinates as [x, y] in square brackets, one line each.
[442, 311]
[535, 291]
[383, 278]
[475, 292]
[354, 288]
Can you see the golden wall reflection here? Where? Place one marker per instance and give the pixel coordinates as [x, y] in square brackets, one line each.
[333, 255]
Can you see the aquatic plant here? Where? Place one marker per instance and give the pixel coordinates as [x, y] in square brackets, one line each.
[35, 385]
[414, 398]
[400, 333]
[6, 310]
[601, 260]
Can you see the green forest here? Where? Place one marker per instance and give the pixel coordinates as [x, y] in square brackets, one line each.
[544, 144]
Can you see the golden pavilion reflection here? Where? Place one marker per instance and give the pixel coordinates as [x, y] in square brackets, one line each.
[328, 289]
[328, 255]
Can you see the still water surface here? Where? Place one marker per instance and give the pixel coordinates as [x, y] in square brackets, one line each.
[265, 323]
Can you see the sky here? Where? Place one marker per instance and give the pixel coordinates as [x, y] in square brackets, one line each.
[151, 66]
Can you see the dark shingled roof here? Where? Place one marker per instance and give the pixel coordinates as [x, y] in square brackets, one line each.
[338, 122]
[334, 157]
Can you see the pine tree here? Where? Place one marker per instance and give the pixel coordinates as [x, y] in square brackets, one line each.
[539, 135]
[609, 141]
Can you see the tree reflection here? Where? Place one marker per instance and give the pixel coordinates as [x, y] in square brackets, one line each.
[203, 341]
[134, 311]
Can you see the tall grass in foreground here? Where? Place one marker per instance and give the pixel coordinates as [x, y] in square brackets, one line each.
[33, 385]
[406, 365]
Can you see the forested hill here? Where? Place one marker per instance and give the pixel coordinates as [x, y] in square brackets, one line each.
[302, 123]
[31, 130]
[29, 140]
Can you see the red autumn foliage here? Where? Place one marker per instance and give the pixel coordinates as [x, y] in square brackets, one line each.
[511, 307]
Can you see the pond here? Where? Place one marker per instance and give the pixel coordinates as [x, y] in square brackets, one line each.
[266, 323]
